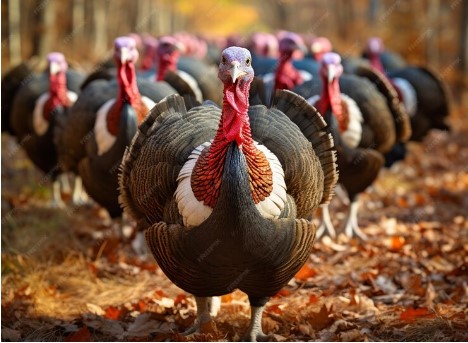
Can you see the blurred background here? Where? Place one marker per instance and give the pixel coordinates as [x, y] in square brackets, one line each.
[428, 32]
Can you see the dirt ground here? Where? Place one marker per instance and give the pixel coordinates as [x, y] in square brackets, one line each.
[67, 277]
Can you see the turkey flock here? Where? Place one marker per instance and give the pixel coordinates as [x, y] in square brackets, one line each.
[220, 152]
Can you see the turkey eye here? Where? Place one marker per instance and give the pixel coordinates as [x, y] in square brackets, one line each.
[224, 60]
[247, 61]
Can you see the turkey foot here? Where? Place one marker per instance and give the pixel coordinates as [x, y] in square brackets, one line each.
[255, 331]
[203, 316]
[79, 196]
[352, 227]
[326, 225]
[57, 201]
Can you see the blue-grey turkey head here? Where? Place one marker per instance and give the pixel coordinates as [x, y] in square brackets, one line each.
[222, 193]
[38, 105]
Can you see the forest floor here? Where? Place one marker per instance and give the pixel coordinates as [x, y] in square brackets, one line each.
[67, 277]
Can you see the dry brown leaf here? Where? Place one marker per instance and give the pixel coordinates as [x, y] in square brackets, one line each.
[322, 319]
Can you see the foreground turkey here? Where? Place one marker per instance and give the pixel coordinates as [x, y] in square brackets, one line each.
[223, 192]
[42, 101]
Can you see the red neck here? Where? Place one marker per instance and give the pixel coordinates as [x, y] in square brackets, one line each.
[128, 93]
[234, 124]
[376, 63]
[331, 99]
[167, 62]
[148, 59]
[286, 76]
[57, 94]
[128, 88]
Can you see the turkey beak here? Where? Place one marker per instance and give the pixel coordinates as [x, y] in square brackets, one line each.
[54, 68]
[124, 55]
[235, 71]
[331, 73]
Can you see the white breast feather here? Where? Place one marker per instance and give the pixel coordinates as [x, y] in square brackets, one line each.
[352, 135]
[148, 102]
[192, 83]
[410, 100]
[306, 76]
[195, 212]
[39, 123]
[313, 99]
[104, 139]
[272, 206]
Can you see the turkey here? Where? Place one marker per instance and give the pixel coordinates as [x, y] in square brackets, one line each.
[222, 192]
[390, 61]
[102, 123]
[37, 106]
[361, 110]
[350, 115]
[424, 94]
[319, 47]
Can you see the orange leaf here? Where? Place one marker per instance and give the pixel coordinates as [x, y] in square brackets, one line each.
[180, 299]
[160, 294]
[411, 314]
[275, 309]
[282, 293]
[82, 335]
[112, 312]
[313, 299]
[397, 242]
[305, 273]
[402, 202]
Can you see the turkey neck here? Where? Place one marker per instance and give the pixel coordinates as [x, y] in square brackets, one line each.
[234, 124]
[330, 98]
[57, 93]
[233, 129]
[128, 88]
[376, 63]
[167, 62]
[128, 94]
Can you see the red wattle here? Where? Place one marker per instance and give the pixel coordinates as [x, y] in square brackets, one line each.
[167, 63]
[57, 94]
[286, 76]
[376, 63]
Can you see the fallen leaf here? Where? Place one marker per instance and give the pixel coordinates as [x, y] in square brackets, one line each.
[112, 312]
[396, 243]
[322, 319]
[82, 335]
[313, 299]
[282, 293]
[275, 309]
[411, 314]
[305, 272]
[181, 298]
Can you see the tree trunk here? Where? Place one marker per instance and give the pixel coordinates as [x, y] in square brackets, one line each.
[14, 42]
